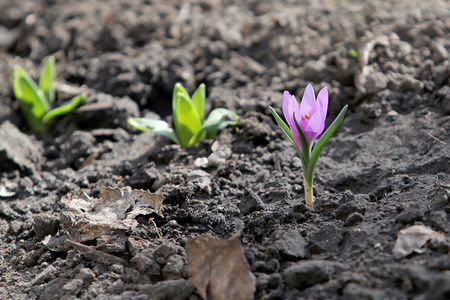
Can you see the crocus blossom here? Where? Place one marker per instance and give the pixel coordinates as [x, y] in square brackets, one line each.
[310, 114]
[305, 122]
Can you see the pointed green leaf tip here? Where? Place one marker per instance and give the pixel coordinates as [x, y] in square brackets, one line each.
[36, 100]
[46, 80]
[188, 118]
[33, 103]
[65, 108]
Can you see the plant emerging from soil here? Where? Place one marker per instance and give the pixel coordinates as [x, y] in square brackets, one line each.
[188, 117]
[306, 122]
[36, 101]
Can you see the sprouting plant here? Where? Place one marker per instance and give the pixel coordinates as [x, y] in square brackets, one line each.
[306, 122]
[188, 118]
[36, 101]
[353, 53]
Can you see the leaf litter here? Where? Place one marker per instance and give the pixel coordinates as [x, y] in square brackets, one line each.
[413, 239]
[218, 268]
[86, 218]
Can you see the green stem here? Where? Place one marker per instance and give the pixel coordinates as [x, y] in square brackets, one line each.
[308, 192]
[305, 155]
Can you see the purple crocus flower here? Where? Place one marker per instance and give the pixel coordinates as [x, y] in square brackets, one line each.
[310, 114]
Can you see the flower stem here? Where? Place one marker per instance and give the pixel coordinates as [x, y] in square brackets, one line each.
[308, 192]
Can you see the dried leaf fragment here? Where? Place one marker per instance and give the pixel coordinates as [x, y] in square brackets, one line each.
[413, 238]
[219, 269]
[85, 218]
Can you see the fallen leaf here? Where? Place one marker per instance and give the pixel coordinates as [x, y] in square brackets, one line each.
[85, 218]
[218, 268]
[413, 238]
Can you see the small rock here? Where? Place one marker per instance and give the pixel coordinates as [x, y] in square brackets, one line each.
[438, 219]
[73, 287]
[409, 83]
[289, 243]
[166, 250]
[169, 289]
[87, 275]
[17, 150]
[173, 224]
[116, 287]
[136, 245]
[250, 202]
[371, 81]
[47, 274]
[354, 219]
[220, 154]
[201, 162]
[349, 208]
[173, 268]
[117, 268]
[355, 291]
[410, 215]
[200, 178]
[146, 263]
[326, 239]
[439, 52]
[305, 274]
[45, 224]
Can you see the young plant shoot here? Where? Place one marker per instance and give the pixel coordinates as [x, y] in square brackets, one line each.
[188, 118]
[36, 100]
[306, 122]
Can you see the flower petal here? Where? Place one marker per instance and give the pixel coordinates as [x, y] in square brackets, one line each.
[287, 106]
[315, 126]
[290, 105]
[308, 104]
[323, 99]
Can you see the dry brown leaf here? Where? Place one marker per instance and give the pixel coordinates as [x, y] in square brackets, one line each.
[413, 238]
[219, 269]
[86, 218]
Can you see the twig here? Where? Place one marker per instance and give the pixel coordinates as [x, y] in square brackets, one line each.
[436, 138]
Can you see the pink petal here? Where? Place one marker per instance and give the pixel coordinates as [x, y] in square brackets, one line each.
[308, 103]
[290, 105]
[322, 98]
[315, 126]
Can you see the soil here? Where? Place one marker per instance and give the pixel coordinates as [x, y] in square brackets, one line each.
[384, 170]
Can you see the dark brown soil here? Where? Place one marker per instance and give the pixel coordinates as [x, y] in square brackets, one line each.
[386, 168]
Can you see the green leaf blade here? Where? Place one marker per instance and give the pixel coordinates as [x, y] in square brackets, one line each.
[65, 108]
[320, 144]
[46, 80]
[178, 88]
[218, 119]
[187, 121]
[31, 99]
[157, 126]
[286, 130]
[198, 100]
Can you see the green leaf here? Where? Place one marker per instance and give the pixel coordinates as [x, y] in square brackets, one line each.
[47, 78]
[353, 53]
[17, 88]
[218, 118]
[178, 88]
[320, 144]
[287, 131]
[187, 121]
[65, 108]
[198, 100]
[32, 100]
[156, 126]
